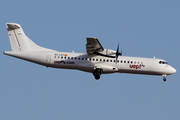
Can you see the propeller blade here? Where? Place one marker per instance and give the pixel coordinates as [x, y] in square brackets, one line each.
[117, 49]
[116, 59]
[118, 53]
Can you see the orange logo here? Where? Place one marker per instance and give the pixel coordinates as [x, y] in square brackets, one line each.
[65, 54]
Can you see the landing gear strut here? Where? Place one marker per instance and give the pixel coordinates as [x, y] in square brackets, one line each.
[97, 73]
[164, 78]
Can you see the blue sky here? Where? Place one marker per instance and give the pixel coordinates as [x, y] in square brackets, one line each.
[142, 28]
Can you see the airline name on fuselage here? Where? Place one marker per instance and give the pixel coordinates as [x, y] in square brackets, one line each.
[137, 66]
[64, 62]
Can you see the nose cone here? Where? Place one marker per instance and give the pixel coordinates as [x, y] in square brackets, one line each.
[173, 70]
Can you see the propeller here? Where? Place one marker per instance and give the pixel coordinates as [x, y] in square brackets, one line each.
[118, 53]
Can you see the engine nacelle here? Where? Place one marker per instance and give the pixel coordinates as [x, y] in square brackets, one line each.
[108, 52]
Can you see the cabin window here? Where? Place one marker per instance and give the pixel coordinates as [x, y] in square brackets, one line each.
[86, 58]
[78, 58]
[75, 58]
[68, 57]
[107, 60]
[110, 60]
[104, 60]
[131, 62]
[96, 59]
[124, 61]
[82, 58]
[61, 57]
[100, 60]
[118, 61]
[135, 62]
[121, 61]
[64, 57]
[90, 59]
[93, 59]
[127, 61]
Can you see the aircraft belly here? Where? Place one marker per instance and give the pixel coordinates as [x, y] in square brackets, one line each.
[87, 67]
[146, 72]
[79, 66]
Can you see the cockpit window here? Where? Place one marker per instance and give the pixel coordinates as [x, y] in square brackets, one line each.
[163, 62]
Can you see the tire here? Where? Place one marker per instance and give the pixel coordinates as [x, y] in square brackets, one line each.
[97, 77]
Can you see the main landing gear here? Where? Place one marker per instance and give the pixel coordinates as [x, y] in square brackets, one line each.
[97, 73]
[164, 78]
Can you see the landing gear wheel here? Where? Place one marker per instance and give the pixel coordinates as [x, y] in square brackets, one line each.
[97, 73]
[97, 77]
[164, 77]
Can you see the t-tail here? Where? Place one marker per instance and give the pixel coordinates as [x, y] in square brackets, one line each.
[19, 41]
[24, 48]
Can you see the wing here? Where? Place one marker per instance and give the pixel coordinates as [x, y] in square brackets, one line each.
[93, 45]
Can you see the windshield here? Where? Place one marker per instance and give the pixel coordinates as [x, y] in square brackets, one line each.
[163, 62]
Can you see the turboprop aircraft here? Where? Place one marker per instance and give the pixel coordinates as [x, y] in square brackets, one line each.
[97, 60]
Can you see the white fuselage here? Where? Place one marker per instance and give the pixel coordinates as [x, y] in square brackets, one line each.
[97, 60]
[84, 62]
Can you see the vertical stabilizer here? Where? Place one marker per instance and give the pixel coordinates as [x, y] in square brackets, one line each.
[19, 41]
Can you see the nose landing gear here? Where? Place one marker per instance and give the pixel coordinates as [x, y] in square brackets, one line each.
[164, 78]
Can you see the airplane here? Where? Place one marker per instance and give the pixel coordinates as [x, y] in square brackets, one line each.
[97, 60]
